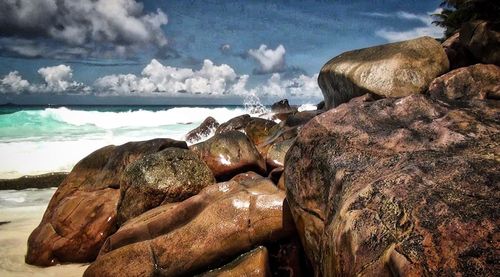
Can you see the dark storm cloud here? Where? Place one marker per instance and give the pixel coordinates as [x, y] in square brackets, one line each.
[115, 26]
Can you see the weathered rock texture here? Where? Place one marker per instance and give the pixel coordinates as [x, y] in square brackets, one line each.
[390, 70]
[206, 230]
[282, 106]
[482, 39]
[82, 212]
[252, 264]
[206, 128]
[399, 187]
[229, 153]
[172, 175]
[480, 81]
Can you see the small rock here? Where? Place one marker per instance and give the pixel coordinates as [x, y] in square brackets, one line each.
[206, 128]
[228, 154]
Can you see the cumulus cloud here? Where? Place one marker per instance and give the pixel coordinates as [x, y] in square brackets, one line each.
[428, 29]
[13, 83]
[157, 79]
[270, 61]
[58, 79]
[211, 79]
[92, 24]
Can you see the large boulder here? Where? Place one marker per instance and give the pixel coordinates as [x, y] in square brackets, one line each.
[171, 175]
[399, 187]
[82, 212]
[206, 230]
[482, 39]
[206, 128]
[390, 70]
[480, 81]
[228, 154]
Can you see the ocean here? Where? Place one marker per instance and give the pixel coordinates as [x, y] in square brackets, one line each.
[40, 139]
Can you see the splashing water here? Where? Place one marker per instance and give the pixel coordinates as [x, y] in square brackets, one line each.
[253, 105]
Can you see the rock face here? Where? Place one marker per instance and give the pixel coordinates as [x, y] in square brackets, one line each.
[390, 70]
[480, 81]
[221, 222]
[399, 187]
[482, 40]
[458, 55]
[237, 123]
[82, 212]
[207, 127]
[252, 264]
[172, 175]
[228, 154]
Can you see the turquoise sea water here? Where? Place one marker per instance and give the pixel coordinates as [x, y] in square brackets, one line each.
[40, 139]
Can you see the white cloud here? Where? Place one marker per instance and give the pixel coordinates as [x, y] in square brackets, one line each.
[13, 83]
[58, 79]
[428, 29]
[269, 60]
[87, 23]
[156, 78]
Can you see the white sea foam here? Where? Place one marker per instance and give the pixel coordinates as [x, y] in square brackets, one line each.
[307, 107]
[48, 146]
[140, 118]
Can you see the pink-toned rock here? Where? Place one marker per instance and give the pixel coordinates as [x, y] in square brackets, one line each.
[228, 154]
[221, 222]
[399, 187]
[82, 212]
[480, 81]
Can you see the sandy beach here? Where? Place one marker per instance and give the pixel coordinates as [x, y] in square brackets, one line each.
[14, 235]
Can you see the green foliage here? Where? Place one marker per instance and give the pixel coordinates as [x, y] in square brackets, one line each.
[457, 12]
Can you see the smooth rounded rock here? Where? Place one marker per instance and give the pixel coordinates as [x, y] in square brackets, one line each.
[390, 70]
[228, 154]
[212, 227]
[82, 212]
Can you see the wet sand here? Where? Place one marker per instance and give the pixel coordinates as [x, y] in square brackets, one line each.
[13, 243]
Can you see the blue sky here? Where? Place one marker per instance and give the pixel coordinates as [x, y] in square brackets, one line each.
[169, 52]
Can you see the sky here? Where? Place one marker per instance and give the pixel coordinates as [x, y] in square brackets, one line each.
[188, 52]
